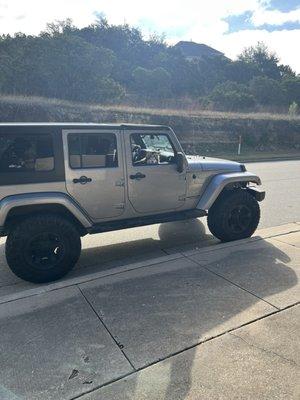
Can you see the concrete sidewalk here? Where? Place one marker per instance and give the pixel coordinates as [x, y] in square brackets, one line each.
[221, 322]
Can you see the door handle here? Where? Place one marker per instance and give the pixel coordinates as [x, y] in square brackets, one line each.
[137, 176]
[83, 180]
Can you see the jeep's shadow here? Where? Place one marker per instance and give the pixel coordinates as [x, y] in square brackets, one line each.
[169, 238]
[185, 235]
[166, 238]
[181, 232]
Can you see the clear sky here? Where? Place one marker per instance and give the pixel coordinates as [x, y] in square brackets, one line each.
[227, 25]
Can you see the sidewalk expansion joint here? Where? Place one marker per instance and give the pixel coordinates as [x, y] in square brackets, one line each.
[264, 350]
[289, 244]
[282, 234]
[107, 329]
[78, 396]
[229, 281]
[229, 331]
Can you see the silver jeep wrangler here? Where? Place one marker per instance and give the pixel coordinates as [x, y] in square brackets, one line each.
[59, 182]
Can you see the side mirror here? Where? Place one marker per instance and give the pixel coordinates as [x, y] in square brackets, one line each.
[180, 162]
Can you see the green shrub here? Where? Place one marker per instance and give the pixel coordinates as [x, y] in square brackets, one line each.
[267, 91]
[232, 96]
[154, 83]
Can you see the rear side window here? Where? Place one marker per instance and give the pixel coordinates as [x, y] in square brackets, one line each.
[26, 153]
[92, 150]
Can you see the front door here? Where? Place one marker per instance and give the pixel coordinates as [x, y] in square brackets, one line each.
[154, 184]
[94, 171]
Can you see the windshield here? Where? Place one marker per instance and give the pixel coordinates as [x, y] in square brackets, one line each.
[157, 142]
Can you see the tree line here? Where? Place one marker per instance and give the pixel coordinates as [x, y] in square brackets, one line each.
[104, 63]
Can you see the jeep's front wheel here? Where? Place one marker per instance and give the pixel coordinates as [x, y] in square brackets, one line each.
[42, 248]
[235, 215]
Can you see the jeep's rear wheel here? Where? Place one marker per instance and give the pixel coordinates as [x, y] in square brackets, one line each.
[235, 215]
[43, 248]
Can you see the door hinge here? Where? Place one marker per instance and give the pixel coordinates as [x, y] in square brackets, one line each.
[181, 197]
[120, 182]
[120, 206]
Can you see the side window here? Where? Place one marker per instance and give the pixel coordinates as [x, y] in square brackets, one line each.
[92, 150]
[151, 149]
[21, 153]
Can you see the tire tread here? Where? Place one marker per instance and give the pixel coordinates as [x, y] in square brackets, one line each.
[34, 224]
[217, 214]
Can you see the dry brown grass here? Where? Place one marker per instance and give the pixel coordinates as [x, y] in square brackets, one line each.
[19, 101]
[264, 135]
[197, 113]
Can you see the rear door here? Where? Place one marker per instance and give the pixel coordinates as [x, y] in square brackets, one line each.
[94, 171]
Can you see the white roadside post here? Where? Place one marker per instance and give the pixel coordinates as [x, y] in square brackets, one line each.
[240, 145]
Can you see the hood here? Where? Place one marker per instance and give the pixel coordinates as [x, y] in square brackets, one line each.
[198, 163]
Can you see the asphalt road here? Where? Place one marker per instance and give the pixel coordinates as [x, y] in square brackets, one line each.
[281, 180]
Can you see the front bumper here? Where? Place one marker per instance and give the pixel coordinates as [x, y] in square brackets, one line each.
[258, 194]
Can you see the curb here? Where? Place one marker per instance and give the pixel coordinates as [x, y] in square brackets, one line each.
[265, 233]
[270, 159]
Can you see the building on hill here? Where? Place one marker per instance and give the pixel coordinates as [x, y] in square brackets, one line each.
[192, 50]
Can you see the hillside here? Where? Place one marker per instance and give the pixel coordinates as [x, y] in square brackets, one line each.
[112, 64]
[200, 132]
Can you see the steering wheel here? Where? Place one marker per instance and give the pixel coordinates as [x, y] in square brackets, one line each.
[136, 153]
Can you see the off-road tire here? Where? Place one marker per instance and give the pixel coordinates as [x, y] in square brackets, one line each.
[221, 215]
[21, 238]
